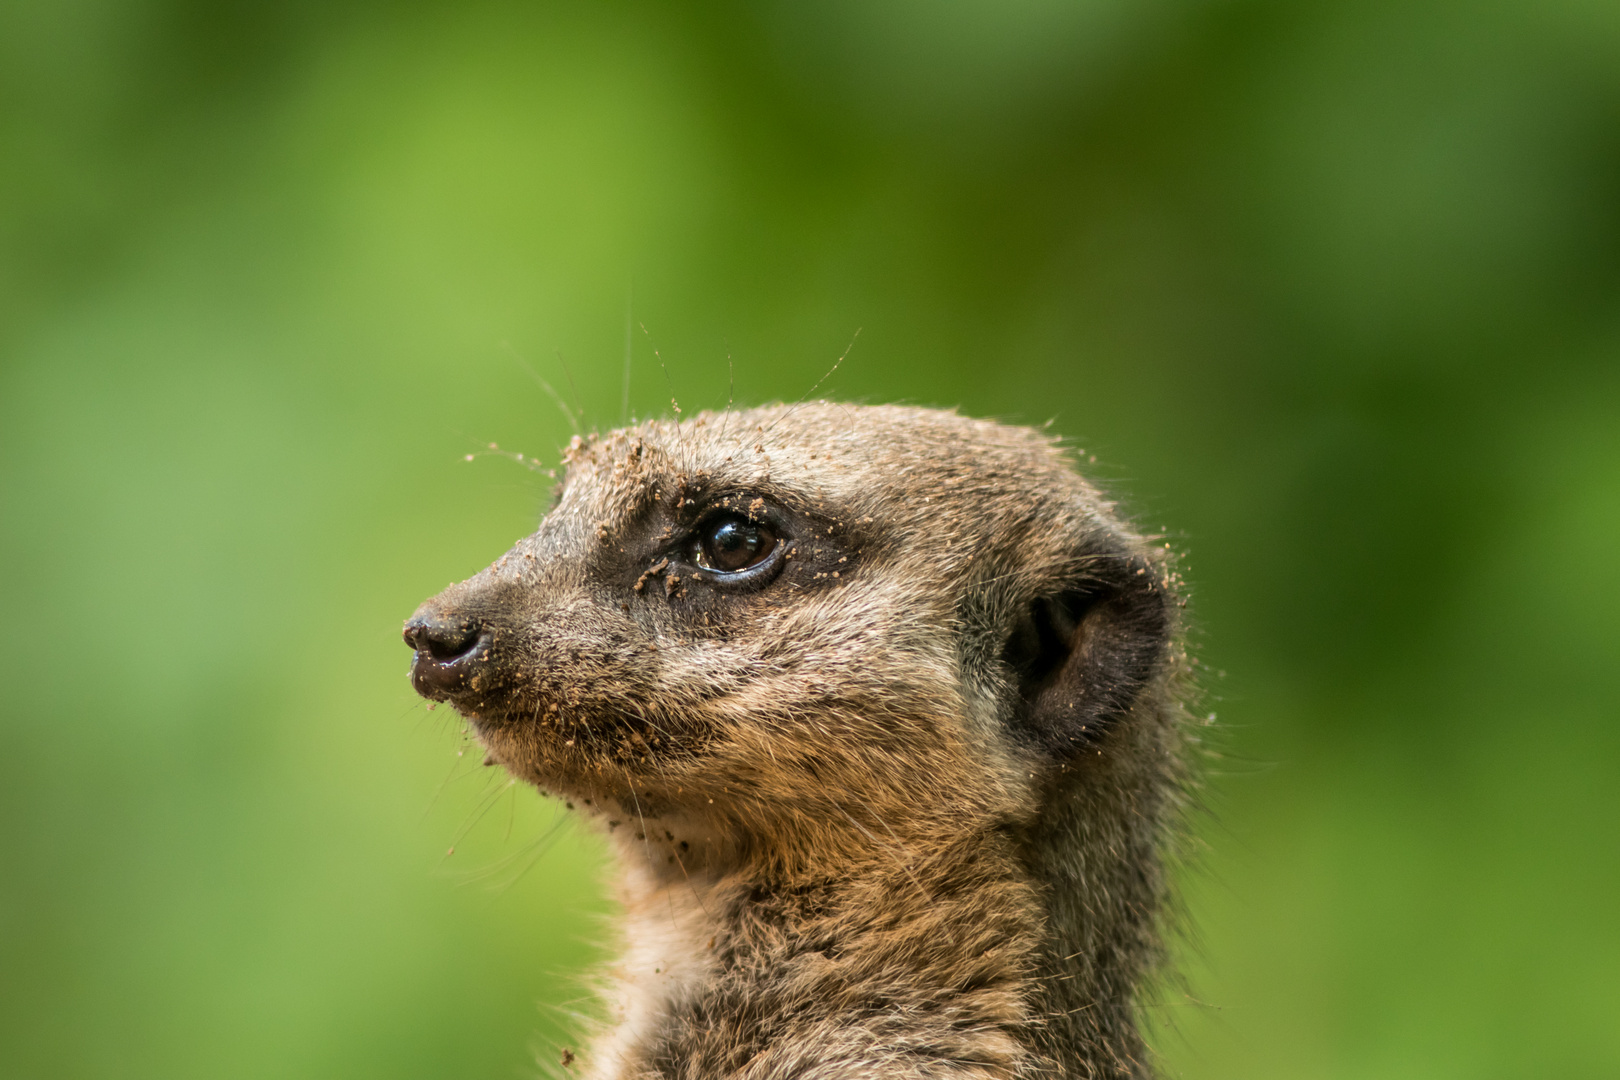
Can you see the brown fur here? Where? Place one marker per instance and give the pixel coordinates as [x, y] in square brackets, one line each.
[898, 812]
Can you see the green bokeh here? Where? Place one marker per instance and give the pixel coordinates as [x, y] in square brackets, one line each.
[1331, 292]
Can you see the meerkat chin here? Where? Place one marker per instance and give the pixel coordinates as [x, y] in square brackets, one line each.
[879, 707]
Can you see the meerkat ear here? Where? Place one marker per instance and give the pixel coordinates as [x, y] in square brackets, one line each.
[1081, 656]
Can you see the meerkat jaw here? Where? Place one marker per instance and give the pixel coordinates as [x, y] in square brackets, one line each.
[881, 708]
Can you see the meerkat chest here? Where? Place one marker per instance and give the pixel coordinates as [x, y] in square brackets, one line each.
[736, 983]
[667, 938]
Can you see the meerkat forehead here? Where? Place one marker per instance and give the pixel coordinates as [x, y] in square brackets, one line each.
[925, 473]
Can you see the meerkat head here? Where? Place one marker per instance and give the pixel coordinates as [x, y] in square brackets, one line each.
[802, 626]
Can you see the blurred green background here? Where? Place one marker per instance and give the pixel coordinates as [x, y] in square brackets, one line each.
[1332, 292]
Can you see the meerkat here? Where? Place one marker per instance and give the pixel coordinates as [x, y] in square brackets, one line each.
[880, 709]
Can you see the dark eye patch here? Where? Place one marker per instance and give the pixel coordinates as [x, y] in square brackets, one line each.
[709, 548]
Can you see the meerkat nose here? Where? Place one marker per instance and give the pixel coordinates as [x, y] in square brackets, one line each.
[448, 651]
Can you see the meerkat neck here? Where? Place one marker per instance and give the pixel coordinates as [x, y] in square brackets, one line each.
[997, 950]
[1095, 851]
[920, 964]
[1101, 941]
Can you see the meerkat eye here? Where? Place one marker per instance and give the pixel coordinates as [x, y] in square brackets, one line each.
[732, 544]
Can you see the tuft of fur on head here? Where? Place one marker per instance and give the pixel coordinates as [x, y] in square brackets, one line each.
[893, 799]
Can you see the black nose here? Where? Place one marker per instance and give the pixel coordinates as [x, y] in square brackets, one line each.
[439, 638]
[448, 652]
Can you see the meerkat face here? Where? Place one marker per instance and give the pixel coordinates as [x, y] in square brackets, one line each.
[773, 614]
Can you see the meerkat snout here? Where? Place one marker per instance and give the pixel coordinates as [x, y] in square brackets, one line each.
[888, 687]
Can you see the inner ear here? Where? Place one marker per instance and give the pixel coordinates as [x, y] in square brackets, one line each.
[1080, 657]
[1044, 637]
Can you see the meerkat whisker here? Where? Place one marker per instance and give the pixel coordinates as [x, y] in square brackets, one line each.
[814, 386]
[562, 406]
[629, 351]
[578, 402]
[449, 777]
[731, 395]
[486, 802]
[528, 856]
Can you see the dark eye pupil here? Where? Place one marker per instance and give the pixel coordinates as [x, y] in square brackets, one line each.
[733, 545]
